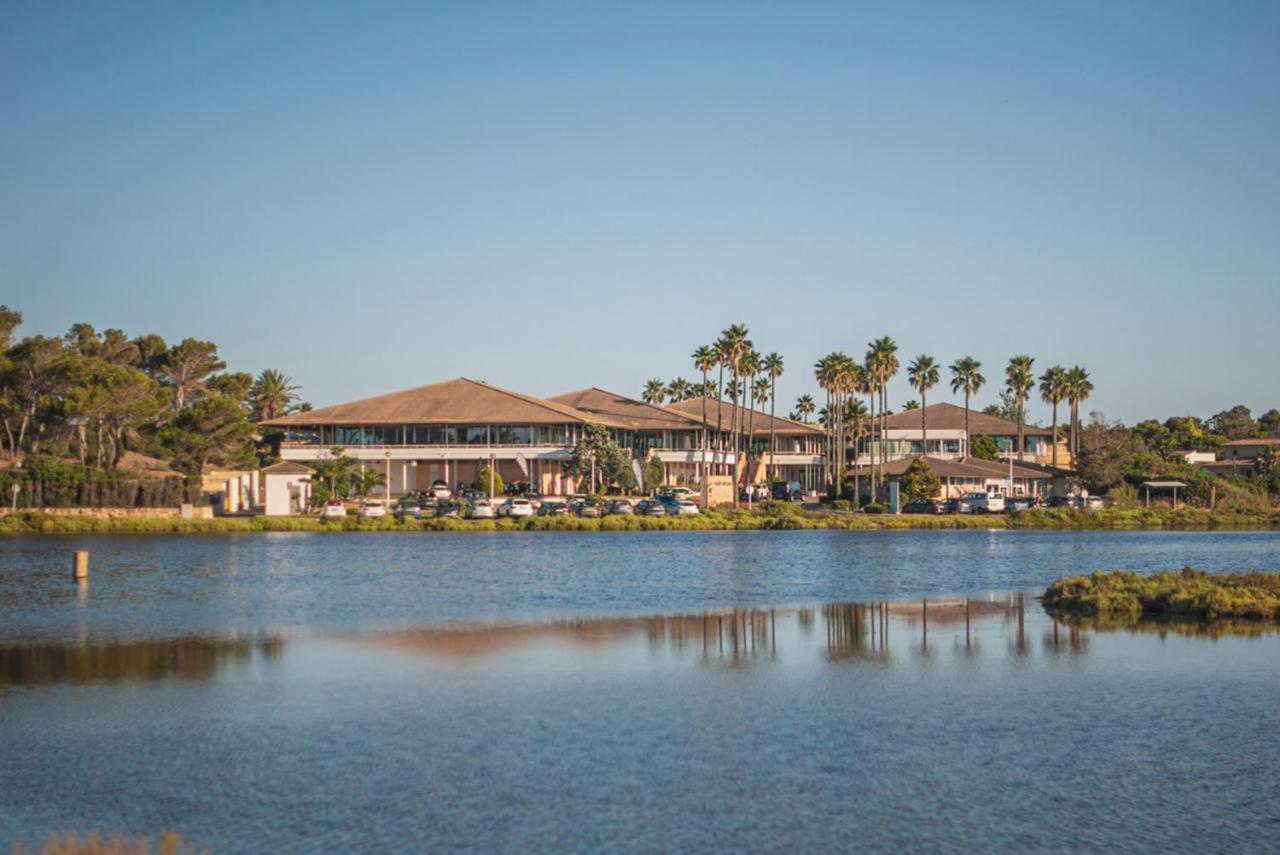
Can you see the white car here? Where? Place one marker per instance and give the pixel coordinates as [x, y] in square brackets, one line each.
[985, 503]
[683, 508]
[481, 509]
[372, 509]
[440, 491]
[333, 509]
[515, 507]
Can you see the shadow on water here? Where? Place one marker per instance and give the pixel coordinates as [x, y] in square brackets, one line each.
[183, 658]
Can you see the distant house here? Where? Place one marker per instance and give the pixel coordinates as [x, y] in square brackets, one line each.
[970, 475]
[1240, 456]
[1196, 458]
[947, 441]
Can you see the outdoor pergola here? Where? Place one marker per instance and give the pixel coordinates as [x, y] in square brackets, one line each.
[1163, 485]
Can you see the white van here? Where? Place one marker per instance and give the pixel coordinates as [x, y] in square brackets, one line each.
[985, 503]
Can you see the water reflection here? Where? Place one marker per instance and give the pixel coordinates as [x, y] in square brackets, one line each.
[185, 658]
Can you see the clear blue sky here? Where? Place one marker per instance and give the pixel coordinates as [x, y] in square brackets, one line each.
[549, 196]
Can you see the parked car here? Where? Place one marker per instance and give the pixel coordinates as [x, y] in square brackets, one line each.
[408, 508]
[481, 509]
[986, 503]
[553, 509]
[754, 493]
[1016, 505]
[624, 507]
[474, 495]
[440, 490]
[1060, 502]
[681, 508]
[590, 509]
[1093, 503]
[515, 507]
[960, 505]
[333, 509]
[371, 508]
[925, 506]
[787, 491]
[448, 508]
[650, 508]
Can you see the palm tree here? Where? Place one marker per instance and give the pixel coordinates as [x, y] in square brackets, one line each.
[678, 390]
[750, 368]
[909, 405]
[1053, 388]
[272, 395]
[923, 375]
[367, 480]
[654, 391]
[882, 361]
[736, 346]
[855, 415]
[824, 372]
[804, 407]
[966, 376]
[1078, 389]
[704, 359]
[773, 366]
[1020, 379]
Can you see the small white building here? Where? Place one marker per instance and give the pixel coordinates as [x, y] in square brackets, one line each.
[286, 488]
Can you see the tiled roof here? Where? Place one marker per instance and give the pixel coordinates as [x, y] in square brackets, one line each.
[760, 421]
[633, 414]
[967, 467]
[459, 401]
[945, 416]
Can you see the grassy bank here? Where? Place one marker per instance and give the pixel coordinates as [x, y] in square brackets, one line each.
[1189, 594]
[783, 517]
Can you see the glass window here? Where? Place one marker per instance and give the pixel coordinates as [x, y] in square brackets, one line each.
[513, 435]
[475, 435]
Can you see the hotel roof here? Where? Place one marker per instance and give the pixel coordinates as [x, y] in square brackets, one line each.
[945, 416]
[460, 401]
[965, 467]
[627, 412]
[760, 421]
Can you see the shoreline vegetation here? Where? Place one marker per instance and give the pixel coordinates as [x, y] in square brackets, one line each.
[774, 517]
[1188, 594]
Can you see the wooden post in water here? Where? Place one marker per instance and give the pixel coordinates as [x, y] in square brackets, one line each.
[966, 623]
[80, 566]
[924, 618]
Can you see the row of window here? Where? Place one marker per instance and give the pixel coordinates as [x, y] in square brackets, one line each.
[464, 435]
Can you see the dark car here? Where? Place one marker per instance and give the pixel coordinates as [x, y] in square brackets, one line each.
[787, 491]
[448, 508]
[1059, 502]
[651, 508]
[925, 506]
[553, 509]
[408, 508]
[959, 506]
[1013, 506]
[590, 509]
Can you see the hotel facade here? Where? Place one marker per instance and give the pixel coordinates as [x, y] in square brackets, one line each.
[450, 431]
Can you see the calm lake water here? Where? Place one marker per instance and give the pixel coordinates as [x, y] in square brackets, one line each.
[635, 691]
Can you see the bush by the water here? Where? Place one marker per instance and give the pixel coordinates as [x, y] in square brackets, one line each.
[1186, 594]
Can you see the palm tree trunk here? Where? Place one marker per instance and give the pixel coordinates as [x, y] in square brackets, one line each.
[1053, 437]
[968, 440]
[1022, 439]
[773, 414]
[924, 425]
[720, 411]
[874, 437]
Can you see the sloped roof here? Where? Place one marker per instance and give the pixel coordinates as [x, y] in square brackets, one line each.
[760, 422]
[946, 416]
[626, 412]
[287, 467]
[460, 401]
[1269, 440]
[965, 467]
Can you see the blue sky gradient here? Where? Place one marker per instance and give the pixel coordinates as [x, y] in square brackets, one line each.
[549, 196]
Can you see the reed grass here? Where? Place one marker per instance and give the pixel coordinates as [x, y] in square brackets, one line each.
[1189, 594]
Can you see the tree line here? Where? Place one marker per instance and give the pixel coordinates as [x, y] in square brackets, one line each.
[91, 397]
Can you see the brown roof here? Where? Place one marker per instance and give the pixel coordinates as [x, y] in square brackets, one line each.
[459, 401]
[945, 416]
[966, 467]
[287, 467]
[760, 421]
[1269, 440]
[627, 412]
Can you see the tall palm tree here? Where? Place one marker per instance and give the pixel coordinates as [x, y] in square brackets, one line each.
[1053, 388]
[1020, 379]
[824, 372]
[772, 366]
[655, 391]
[966, 376]
[721, 348]
[1078, 389]
[272, 395]
[736, 346]
[678, 390]
[804, 407]
[704, 359]
[923, 375]
[856, 416]
[882, 359]
[750, 367]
